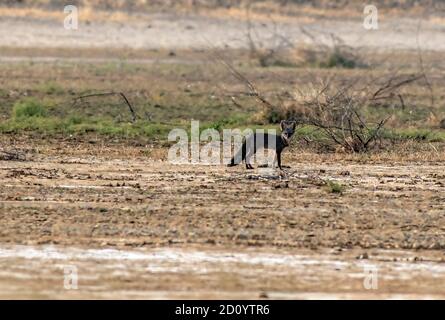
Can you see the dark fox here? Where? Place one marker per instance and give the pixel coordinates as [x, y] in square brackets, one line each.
[257, 141]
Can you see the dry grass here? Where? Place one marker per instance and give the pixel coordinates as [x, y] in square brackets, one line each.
[437, 20]
[86, 14]
[263, 11]
[405, 152]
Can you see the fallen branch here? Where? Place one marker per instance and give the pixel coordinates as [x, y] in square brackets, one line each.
[12, 155]
[122, 95]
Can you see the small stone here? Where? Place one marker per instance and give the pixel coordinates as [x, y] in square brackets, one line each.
[363, 256]
[263, 295]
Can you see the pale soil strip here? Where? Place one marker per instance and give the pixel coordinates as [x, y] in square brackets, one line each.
[167, 31]
[106, 273]
[65, 60]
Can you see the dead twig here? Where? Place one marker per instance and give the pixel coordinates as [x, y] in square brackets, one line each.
[12, 155]
[422, 67]
[253, 92]
[103, 94]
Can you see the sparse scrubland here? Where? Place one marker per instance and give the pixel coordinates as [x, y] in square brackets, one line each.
[83, 168]
[42, 98]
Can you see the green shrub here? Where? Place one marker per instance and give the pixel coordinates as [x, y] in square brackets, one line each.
[74, 120]
[28, 108]
[334, 187]
[338, 59]
[338, 56]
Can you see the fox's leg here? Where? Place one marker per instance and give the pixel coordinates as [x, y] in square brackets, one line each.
[239, 156]
[274, 163]
[249, 153]
[248, 157]
[279, 160]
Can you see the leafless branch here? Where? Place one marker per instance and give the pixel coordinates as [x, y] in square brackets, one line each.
[252, 90]
[120, 94]
[12, 155]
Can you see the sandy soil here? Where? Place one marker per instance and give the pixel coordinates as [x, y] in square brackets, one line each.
[206, 272]
[90, 199]
[173, 31]
[175, 228]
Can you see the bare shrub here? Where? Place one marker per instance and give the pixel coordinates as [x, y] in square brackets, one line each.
[274, 50]
[337, 114]
[322, 51]
[333, 53]
[275, 113]
[337, 110]
[334, 109]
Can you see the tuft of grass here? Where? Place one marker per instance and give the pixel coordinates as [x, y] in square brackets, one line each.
[227, 123]
[335, 187]
[74, 120]
[3, 93]
[50, 88]
[337, 59]
[28, 108]
[338, 56]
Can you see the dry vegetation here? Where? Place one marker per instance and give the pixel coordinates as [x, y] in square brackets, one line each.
[166, 95]
[83, 151]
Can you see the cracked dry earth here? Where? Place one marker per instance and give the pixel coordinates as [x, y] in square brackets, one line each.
[139, 227]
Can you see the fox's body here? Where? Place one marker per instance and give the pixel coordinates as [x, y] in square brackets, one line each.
[258, 141]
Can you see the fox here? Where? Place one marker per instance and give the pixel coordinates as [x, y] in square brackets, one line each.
[257, 141]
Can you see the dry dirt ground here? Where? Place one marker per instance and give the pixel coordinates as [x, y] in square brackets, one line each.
[24, 28]
[136, 226]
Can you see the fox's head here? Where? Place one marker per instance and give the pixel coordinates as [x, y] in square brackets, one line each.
[287, 129]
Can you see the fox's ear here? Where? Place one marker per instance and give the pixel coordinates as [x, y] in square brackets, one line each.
[282, 123]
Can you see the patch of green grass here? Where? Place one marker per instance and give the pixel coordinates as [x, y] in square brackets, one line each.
[29, 108]
[335, 187]
[50, 88]
[401, 117]
[234, 121]
[78, 125]
[425, 135]
[313, 134]
[309, 131]
[75, 120]
[38, 124]
[3, 93]
[274, 116]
